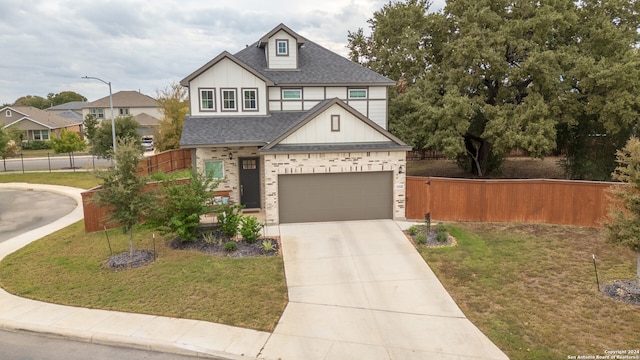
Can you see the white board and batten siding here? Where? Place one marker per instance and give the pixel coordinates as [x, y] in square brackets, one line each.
[318, 130]
[226, 74]
[289, 61]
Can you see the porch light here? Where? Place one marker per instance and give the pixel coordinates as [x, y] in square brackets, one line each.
[401, 169]
[230, 155]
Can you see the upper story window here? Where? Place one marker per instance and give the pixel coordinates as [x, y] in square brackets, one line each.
[357, 93]
[282, 47]
[292, 94]
[97, 113]
[229, 100]
[124, 111]
[250, 99]
[8, 113]
[208, 99]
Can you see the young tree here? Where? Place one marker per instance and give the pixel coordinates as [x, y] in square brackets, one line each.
[90, 125]
[623, 227]
[174, 106]
[67, 142]
[8, 147]
[102, 141]
[123, 189]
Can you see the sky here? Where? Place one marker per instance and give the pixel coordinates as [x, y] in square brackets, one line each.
[48, 45]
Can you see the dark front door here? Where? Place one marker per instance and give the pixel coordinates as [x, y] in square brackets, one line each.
[250, 182]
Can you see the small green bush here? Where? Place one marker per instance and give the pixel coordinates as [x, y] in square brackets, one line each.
[35, 145]
[250, 229]
[229, 218]
[209, 237]
[230, 246]
[421, 238]
[413, 230]
[441, 235]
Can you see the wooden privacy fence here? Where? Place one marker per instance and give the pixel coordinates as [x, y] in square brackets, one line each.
[582, 203]
[168, 161]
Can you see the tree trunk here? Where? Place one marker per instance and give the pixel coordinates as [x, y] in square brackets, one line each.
[131, 248]
[70, 163]
[478, 150]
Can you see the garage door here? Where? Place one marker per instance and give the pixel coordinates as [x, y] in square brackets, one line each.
[335, 197]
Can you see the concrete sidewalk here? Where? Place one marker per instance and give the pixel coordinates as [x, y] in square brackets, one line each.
[356, 290]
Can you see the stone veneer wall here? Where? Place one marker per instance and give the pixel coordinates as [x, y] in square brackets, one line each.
[231, 180]
[275, 165]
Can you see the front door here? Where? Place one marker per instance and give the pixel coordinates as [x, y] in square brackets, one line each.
[250, 182]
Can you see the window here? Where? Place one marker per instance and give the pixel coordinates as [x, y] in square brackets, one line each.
[214, 169]
[357, 93]
[249, 164]
[335, 122]
[282, 47]
[292, 94]
[40, 134]
[124, 111]
[250, 99]
[229, 100]
[97, 113]
[8, 113]
[207, 99]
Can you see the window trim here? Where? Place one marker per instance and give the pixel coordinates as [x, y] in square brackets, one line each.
[8, 113]
[235, 99]
[212, 161]
[96, 112]
[213, 99]
[335, 123]
[366, 93]
[286, 45]
[255, 90]
[291, 89]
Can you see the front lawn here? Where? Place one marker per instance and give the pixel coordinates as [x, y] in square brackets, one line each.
[68, 267]
[79, 179]
[531, 288]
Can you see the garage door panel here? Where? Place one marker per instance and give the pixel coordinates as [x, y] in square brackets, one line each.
[334, 197]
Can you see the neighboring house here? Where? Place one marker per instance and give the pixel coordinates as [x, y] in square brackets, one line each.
[296, 131]
[144, 109]
[37, 124]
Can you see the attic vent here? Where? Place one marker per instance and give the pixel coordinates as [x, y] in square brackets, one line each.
[8, 113]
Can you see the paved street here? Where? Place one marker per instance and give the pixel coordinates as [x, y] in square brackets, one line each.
[21, 211]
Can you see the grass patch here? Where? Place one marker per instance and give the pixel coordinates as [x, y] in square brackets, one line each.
[68, 267]
[79, 179]
[531, 288]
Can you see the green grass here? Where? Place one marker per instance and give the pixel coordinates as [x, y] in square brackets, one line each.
[49, 152]
[68, 267]
[532, 289]
[79, 179]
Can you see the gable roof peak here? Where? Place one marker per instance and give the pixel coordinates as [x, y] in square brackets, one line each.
[282, 27]
[223, 55]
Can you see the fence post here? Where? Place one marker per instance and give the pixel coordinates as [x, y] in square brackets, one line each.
[49, 160]
[22, 161]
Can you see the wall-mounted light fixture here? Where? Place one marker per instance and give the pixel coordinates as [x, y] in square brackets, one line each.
[401, 169]
[230, 155]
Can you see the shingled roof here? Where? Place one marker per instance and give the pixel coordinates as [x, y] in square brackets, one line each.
[317, 66]
[129, 99]
[45, 118]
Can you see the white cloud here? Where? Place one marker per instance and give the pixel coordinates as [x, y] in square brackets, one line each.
[144, 45]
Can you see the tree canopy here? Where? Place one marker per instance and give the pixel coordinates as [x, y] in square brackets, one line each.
[51, 99]
[67, 142]
[102, 139]
[483, 77]
[175, 107]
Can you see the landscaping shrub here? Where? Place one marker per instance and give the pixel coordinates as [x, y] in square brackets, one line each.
[413, 230]
[229, 218]
[421, 238]
[35, 145]
[250, 229]
[267, 246]
[230, 246]
[441, 235]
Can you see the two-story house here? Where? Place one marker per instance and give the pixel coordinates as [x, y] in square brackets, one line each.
[143, 108]
[296, 131]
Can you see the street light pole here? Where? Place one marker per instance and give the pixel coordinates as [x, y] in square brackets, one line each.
[113, 123]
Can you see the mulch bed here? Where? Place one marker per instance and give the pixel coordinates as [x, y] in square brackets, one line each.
[213, 244]
[625, 290]
[125, 261]
[432, 234]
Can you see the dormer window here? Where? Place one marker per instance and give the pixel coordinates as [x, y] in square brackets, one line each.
[229, 100]
[282, 47]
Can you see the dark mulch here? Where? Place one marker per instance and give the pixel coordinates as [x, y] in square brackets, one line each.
[624, 290]
[211, 241]
[126, 261]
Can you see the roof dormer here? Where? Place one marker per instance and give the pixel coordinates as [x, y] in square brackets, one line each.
[281, 48]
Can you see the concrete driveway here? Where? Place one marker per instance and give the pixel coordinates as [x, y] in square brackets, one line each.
[359, 290]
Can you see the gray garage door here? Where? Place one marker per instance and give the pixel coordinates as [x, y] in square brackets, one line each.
[331, 197]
